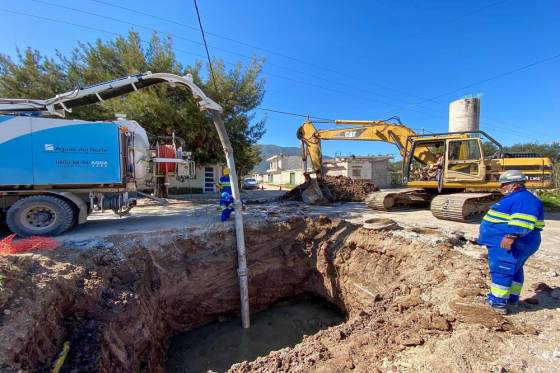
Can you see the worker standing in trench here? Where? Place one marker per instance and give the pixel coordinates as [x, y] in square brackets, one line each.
[511, 230]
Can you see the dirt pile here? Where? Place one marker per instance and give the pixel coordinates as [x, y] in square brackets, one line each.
[342, 189]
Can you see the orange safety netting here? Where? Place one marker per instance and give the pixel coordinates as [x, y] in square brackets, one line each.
[25, 245]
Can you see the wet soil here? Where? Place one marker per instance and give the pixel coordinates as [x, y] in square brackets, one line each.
[220, 344]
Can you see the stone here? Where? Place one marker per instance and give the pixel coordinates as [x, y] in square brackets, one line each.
[439, 323]
[555, 293]
[410, 340]
[540, 287]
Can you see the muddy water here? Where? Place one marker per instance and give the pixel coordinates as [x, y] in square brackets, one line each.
[219, 345]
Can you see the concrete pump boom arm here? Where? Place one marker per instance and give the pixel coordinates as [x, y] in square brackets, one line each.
[376, 130]
[64, 102]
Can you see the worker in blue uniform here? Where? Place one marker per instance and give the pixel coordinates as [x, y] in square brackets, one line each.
[511, 230]
[226, 196]
[224, 185]
[226, 206]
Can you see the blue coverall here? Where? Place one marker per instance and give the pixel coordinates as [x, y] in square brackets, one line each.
[225, 184]
[226, 205]
[521, 214]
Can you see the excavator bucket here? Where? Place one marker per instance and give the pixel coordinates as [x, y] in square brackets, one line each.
[316, 193]
[312, 194]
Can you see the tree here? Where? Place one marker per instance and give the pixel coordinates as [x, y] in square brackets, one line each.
[160, 109]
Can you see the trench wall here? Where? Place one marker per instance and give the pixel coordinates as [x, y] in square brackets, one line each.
[118, 306]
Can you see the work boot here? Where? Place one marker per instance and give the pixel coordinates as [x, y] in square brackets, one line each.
[498, 308]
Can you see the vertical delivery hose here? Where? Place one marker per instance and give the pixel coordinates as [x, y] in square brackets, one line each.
[239, 234]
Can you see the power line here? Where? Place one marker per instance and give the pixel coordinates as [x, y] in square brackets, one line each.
[311, 64]
[179, 50]
[195, 28]
[207, 56]
[308, 63]
[206, 48]
[408, 107]
[494, 77]
[58, 21]
[465, 15]
[180, 37]
[294, 114]
[299, 60]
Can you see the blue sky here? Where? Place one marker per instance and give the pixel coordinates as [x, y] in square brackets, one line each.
[347, 59]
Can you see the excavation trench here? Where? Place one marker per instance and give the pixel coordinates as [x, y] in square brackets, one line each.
[119, 305]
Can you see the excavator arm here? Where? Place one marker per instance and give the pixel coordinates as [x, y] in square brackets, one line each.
[376, 130]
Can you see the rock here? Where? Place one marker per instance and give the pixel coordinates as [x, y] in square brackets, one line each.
[551, 274]
[405, 302]
[532, 301]
[555, 293]
[468, 292]
[540, 287]
[414, 340]
[439, 323]
[438, 276]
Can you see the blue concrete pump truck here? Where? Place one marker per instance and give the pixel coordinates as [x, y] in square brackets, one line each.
[55, 172]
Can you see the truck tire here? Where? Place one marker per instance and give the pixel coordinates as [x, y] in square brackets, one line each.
[40, 215]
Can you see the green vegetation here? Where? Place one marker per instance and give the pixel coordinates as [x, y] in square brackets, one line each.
[161, 109]
[550, 198]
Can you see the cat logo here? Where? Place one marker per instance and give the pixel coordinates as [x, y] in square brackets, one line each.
[350, 134]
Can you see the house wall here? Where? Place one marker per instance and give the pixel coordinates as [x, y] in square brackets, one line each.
[283, 177]
[197, 185]
[376, 170]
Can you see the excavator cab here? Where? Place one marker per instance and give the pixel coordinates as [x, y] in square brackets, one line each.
[457, 161]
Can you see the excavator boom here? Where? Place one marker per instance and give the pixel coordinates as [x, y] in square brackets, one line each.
[376, 130]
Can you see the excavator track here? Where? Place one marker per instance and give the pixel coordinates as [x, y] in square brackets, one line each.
[462, 207]
[387, 199]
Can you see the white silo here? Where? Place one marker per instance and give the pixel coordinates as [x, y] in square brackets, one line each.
[464, 115]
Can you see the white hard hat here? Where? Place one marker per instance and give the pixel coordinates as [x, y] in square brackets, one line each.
[512, 176]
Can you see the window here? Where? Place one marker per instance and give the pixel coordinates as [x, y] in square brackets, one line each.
[466, 150]
[426, 170]
[464, 157]
[357, 171]
[209, 179]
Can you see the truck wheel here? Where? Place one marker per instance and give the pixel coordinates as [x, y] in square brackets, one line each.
[40, 215]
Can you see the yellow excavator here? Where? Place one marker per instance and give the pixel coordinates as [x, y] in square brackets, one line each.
[449, 170]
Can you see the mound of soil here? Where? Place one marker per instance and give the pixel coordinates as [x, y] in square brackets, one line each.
[342, 189]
